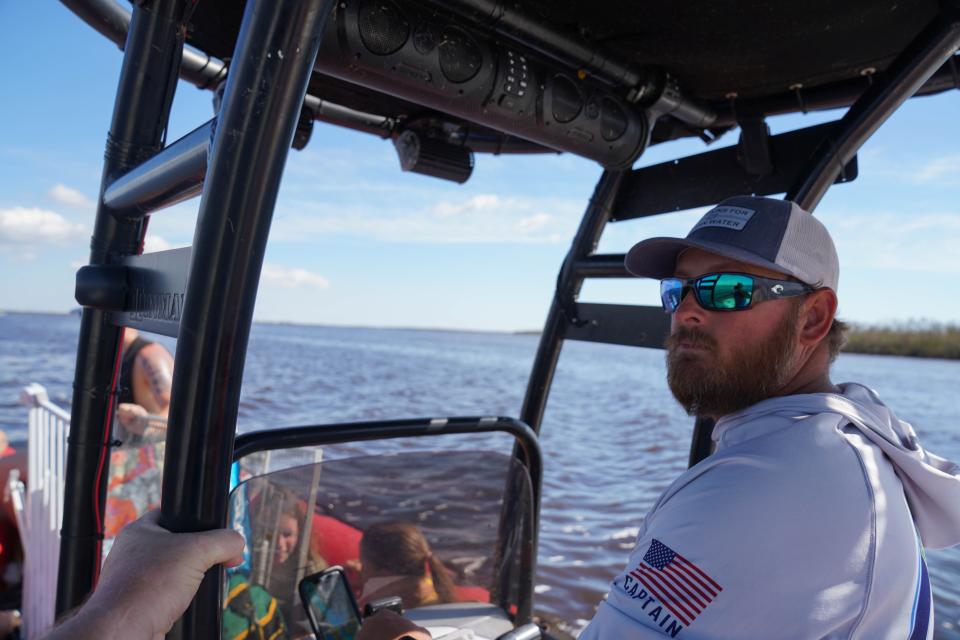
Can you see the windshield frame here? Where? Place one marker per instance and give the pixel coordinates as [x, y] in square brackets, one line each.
[526, 450]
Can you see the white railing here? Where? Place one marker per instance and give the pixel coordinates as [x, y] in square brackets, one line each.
[39, 507]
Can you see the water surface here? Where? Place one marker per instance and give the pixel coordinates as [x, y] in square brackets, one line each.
[612, 436]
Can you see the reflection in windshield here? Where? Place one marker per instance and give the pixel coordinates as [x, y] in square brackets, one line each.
[283, 530]
[396, 560]
[422, 526]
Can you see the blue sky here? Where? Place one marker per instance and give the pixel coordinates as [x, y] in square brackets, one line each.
[356, 241]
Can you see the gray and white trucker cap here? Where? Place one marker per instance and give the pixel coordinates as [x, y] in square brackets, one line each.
[776, 234]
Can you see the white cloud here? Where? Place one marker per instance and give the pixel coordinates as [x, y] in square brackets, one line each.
[483, 218]
[918, 242]
[32, 226]
[532, 223]
[63, 194]
[479, 204]
[153, 243]
[292, 277]
[938, 169]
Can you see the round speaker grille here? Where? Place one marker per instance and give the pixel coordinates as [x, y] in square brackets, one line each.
[460, 55]
[425, 37]
[613, 120]
[567, 101]
[383, 27]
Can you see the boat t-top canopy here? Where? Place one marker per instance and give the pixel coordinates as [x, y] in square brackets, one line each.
[443, 79]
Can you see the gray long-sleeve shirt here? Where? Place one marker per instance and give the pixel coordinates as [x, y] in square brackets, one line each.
[808, 521]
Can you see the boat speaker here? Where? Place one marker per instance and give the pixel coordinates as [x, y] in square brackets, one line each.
[426, 37]
[435, 158]
[383, 27]
[613, 119]
[460, 55]
[567, 99]
[418, 53]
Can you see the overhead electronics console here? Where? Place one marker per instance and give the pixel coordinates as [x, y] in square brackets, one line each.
[417, 53]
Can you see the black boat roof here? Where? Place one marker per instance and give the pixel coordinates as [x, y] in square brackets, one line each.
[766, 56]
[753, 49]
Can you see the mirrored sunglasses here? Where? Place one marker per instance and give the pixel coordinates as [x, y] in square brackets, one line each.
[727, 291]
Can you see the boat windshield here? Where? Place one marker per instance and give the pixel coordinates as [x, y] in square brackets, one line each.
[419, 526]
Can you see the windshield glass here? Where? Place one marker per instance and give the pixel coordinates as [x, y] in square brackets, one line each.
[421, 526]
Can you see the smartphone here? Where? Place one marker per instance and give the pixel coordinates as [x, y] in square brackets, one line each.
[330, 605]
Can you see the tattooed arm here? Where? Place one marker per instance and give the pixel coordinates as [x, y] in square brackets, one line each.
[152, 380]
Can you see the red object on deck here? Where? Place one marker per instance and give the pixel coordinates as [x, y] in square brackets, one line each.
[335, 540]
[471, 594]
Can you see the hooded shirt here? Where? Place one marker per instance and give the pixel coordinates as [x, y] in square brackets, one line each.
[808, 521]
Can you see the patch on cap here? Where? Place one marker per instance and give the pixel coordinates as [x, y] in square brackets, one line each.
[725, 217]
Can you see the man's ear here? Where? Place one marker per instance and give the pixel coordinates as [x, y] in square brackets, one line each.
[819, 309]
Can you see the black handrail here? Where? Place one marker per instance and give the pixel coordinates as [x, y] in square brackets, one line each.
[834, 95]
[923, 56]
[113, 21]
[324, 434]
[173, 175]
[602, 266]
[569, 282]
[262, 101]
[141, 111]
[526, 440]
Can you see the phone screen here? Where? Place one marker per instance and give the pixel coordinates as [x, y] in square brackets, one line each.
[330, 605]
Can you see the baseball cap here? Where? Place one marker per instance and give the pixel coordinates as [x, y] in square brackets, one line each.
[776, 234]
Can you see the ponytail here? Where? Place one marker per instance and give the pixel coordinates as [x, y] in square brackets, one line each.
[442, 580]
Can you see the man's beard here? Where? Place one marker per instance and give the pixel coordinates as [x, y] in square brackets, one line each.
[706, 385]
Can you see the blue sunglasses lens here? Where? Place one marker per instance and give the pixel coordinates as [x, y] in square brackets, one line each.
[671, 291]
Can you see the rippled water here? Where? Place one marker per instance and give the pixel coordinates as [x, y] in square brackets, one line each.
[612, 437]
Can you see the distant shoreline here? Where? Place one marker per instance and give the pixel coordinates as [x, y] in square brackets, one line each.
[915, 339]
[290, 323]
[912, 340]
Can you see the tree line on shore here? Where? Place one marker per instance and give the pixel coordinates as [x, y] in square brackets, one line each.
[915, 338]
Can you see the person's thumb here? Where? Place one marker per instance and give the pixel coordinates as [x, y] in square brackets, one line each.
[217, 546]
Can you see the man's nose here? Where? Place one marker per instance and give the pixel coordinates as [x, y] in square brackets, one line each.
[689, 310]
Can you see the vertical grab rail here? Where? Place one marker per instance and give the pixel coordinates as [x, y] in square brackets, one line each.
[145, 90]
[269, 73]
[39, 506]
[569, 282]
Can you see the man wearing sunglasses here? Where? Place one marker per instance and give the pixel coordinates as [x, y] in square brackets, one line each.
[809, 518]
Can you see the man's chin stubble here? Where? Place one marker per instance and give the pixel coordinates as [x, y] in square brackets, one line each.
[687, 377]
[705, 385]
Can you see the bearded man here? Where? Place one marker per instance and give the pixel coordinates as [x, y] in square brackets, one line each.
[810, 517]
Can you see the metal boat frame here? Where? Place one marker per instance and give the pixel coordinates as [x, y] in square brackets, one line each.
[205, 296]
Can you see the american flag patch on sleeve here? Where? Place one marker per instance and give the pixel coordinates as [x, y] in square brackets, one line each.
[681, 586]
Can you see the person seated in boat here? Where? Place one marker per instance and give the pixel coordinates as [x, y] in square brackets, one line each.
[293, 556]
[810, 516]
[146, 377]
[249, 611]
[396, 560]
